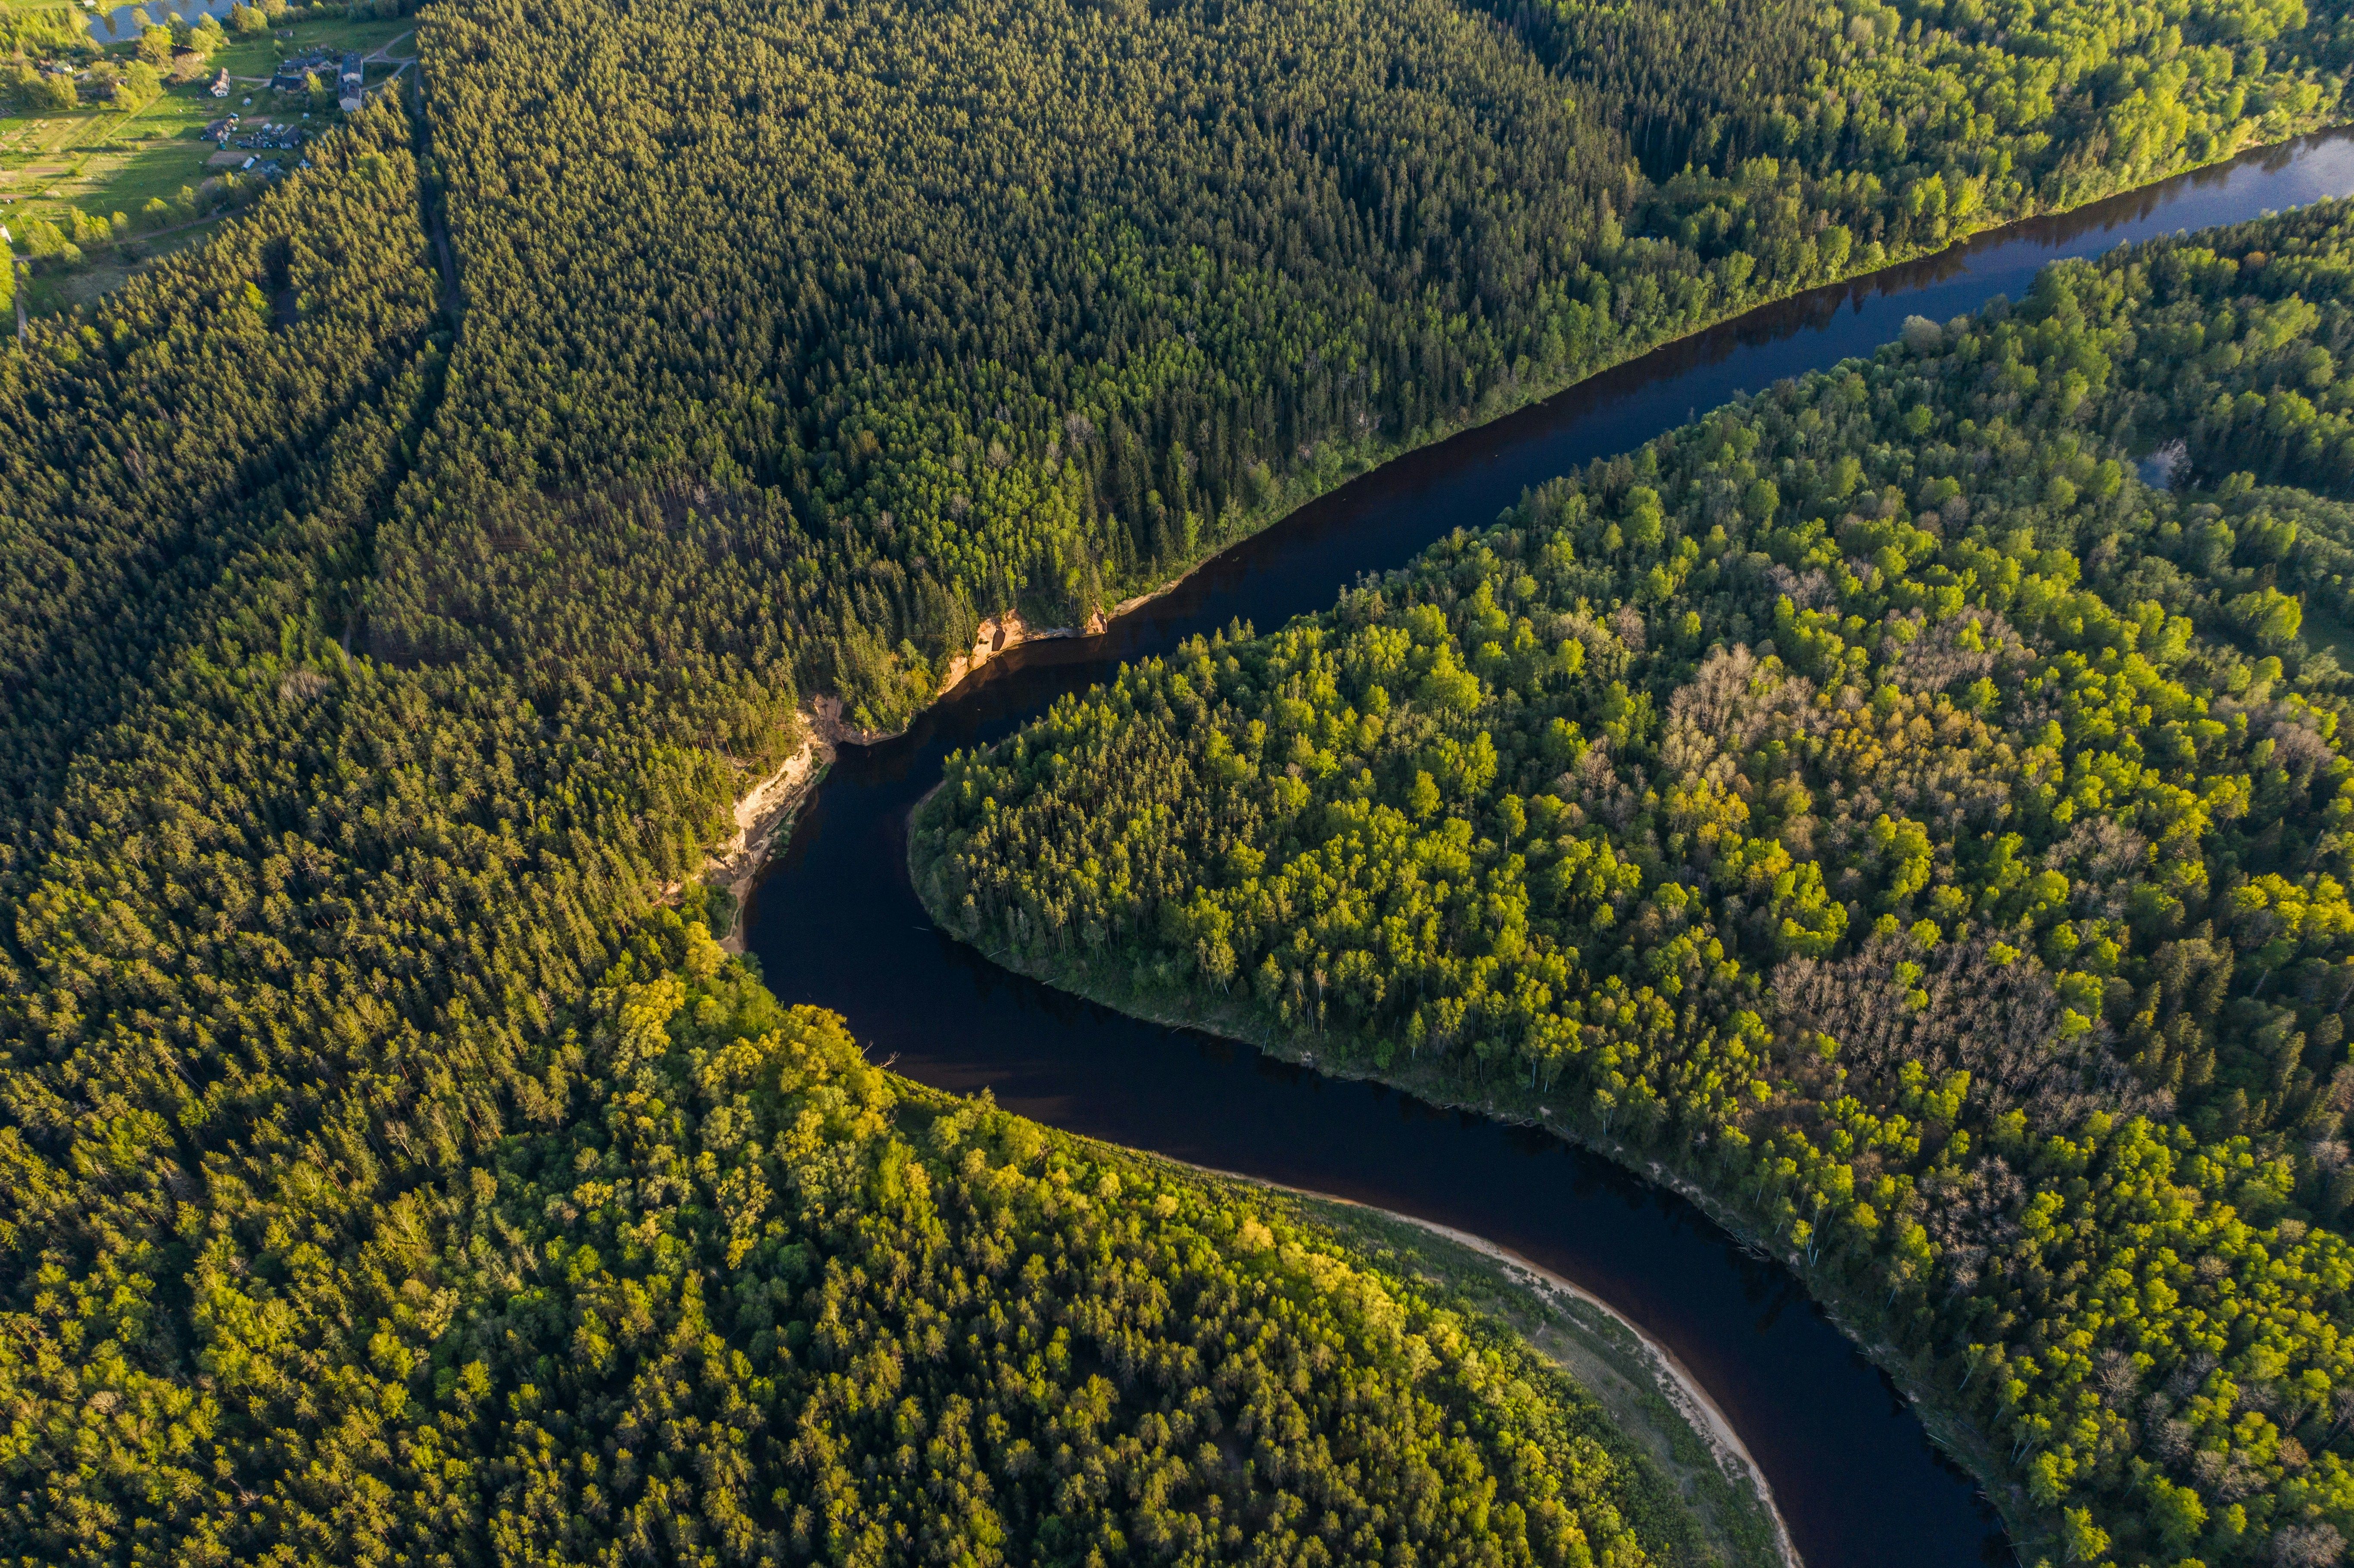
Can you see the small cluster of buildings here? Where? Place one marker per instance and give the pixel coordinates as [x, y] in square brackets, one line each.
[235, 160]
[268, 135]
[349, 75]
[294, 70]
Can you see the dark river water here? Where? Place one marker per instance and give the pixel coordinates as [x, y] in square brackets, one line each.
[833, 920]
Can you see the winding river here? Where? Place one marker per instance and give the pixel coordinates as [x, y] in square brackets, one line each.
[833, 920]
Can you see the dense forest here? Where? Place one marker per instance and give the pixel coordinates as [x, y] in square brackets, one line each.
[1908, 121]
[396, 592]
[814, 349]
[1876, 798]
[745, 1298]
[383, 1179]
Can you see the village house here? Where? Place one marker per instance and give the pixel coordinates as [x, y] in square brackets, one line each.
[294, 70]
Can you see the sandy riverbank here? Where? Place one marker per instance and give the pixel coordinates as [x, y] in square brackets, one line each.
[996, 636]
[1945, 1426]
[1675, 1381]
[760, 815]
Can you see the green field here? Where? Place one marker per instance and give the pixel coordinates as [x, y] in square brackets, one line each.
[258, 57]
[104, 162]
[55, 291]
[101, 161]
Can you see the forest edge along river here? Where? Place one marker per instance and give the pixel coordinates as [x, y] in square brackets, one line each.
[835, 920]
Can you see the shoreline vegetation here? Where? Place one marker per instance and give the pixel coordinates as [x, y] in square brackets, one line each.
[764, 816]
[1462, 1331]
[388, 1176]
[1005, 632]
[741, 870]
[999, 636]
[1845, 1308]
[1656, 1408]
[1907, 1140]
[1365, 1374]
[1096, 494]
[1658, 1411]
[1356, 462]
[1617, 1343]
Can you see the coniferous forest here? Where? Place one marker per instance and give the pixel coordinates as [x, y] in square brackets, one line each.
[397, 591]
[1882, 801]
[901, 317]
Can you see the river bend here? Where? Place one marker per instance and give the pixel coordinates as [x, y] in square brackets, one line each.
[833, 920]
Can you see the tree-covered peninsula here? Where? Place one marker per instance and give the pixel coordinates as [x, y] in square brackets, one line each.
[745, 1298]
[1910, 804]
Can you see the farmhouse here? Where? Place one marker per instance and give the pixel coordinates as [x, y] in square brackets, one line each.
[294, 70]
